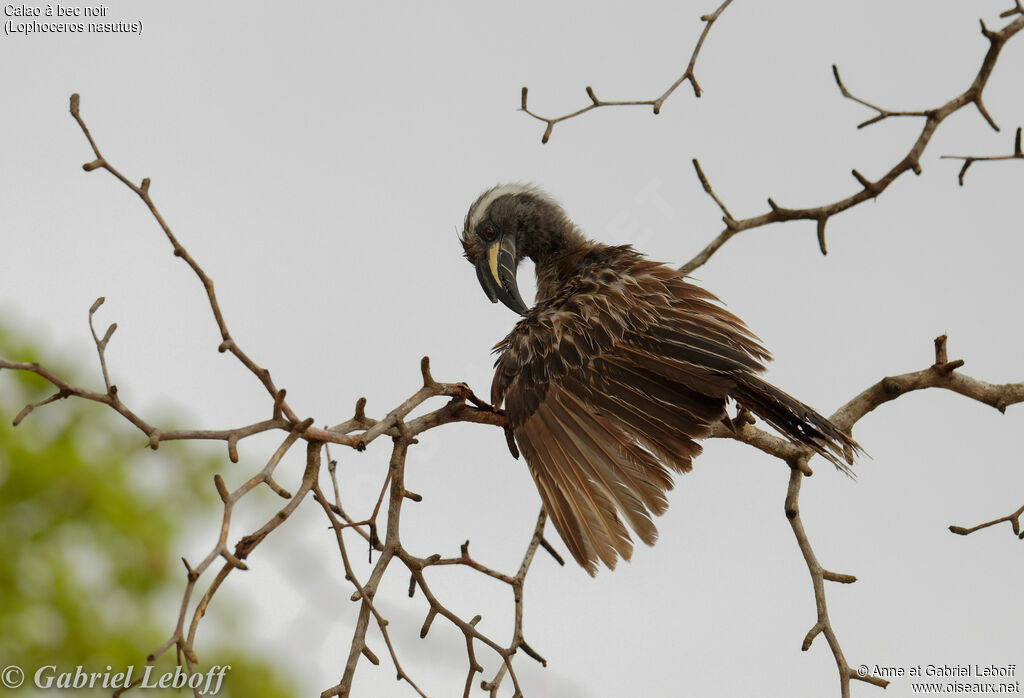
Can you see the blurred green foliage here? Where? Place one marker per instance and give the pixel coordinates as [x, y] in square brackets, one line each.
[91, 529]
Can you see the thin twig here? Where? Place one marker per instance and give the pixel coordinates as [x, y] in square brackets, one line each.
[655, 103]
[969, 160]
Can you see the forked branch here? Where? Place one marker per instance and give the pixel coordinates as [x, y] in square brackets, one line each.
[969, 160]
[870, 188]
[655, 103]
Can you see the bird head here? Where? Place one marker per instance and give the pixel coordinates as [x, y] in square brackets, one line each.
[505, 224]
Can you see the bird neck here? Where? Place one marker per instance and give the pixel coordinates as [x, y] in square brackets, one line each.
[560, 264]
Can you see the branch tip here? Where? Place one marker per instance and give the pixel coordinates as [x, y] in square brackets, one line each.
[374, 660]
[551, 551]
[222, 489]
[431, 614]
[811, 634]
[428, 380]
[839, 578]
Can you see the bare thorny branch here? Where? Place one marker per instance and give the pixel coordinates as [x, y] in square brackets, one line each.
[942, 374]
[359, 431]
[655, 103]
[872, 188]
[969, 160]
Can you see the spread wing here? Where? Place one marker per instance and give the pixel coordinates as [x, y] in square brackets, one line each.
[607, 386]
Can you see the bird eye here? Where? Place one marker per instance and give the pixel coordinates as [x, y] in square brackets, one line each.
[488, 231]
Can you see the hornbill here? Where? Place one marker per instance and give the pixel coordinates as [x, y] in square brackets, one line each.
[612, 375]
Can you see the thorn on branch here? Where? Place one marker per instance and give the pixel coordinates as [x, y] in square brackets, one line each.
[428, 380]
[821, 235]
[942, 364]
[864, 182]
[551, 551]
[372, 657]
[868, 678]
[532, 653]
[988, 33]
[431, 614]
[278, 490]
[984, 112]
[233, 447]
[1017, 9]
[222, 489]
[729, 221]
[278, 401]
[811, 634]
[836, 577]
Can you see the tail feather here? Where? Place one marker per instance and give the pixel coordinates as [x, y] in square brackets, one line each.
[795, 420]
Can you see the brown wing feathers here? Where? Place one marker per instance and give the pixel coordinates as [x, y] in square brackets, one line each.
[608, 384]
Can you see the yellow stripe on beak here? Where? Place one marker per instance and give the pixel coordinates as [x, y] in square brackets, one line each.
[492, 262]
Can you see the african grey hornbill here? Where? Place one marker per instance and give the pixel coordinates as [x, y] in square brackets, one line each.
[615, 371]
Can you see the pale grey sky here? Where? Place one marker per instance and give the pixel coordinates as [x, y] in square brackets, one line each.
[317, 160]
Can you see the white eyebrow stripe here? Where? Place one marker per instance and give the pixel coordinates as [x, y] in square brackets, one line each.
[479, 209]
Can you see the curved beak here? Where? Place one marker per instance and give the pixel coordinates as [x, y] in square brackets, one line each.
[496, 272]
